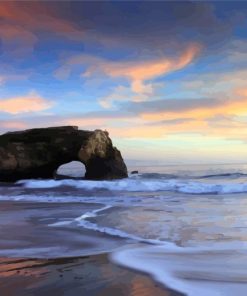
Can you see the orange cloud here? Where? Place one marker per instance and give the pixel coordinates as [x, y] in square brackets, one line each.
[139, 72]
[229, 130]
[224, 119]
[29, 103]
[241, 92]
[237, 107]
[227, 119]
[136, 71]
[147, 70]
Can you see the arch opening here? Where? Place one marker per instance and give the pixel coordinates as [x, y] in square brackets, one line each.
[71, 170]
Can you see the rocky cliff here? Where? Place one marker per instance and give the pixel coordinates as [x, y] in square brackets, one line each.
[37, 153]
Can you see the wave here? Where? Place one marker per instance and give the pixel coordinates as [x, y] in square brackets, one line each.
[142, 185]
[187, 175]
[193, 271]
[190, 270]
[82, 221]
[223, 175]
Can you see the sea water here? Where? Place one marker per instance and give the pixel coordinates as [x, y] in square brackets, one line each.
[186, 226]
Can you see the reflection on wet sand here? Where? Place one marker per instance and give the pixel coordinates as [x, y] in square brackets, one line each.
[94, 276]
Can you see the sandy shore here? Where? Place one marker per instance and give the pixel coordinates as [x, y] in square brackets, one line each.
[25, 232]
[92, 276]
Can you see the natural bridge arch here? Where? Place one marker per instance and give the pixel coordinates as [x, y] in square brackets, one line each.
[37, 153]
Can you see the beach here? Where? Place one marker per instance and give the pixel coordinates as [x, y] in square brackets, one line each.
[92, 275]
[86, 275]
[164, 231]
[123, 148]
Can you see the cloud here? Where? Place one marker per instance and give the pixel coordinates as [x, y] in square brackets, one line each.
[236, 53]
[217, 83]
[30, 103]
[213, 118]
[224, 117]
[139, 28]
[196, 108]
[12, 77]
[138, 73]
[155, 26]
[36, 16]
[101, 120]
[141, 71]
[16, 40]
[21, 25]
[119, 93]
[234, 131]
[172, 106]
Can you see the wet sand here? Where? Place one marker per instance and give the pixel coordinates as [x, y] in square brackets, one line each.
[89, 276]
[25, 234]
[25, 231]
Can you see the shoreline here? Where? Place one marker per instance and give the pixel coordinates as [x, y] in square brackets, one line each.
[26, 236]
[95, 275]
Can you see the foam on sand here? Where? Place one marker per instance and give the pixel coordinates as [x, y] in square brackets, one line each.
[192, 271]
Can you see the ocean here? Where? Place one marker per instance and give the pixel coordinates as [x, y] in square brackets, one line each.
[183, 225]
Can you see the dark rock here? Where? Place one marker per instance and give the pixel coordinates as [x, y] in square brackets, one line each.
[134, 172]
[37, 153]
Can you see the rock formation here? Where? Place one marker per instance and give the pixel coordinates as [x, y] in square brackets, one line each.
[37, 153]
[134, 172]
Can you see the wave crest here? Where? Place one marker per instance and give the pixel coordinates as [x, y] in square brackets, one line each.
[146, 185]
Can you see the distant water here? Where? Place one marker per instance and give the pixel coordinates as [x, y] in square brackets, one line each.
[184, 225]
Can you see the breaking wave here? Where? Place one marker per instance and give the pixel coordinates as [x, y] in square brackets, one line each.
[141, 184]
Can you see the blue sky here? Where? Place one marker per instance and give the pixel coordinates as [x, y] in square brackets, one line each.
[166, 79]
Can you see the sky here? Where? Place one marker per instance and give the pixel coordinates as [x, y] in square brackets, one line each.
[166, 79]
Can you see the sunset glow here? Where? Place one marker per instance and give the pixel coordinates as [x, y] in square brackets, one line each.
[160, 71]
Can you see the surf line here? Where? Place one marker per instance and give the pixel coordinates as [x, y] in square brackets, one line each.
[85, 223]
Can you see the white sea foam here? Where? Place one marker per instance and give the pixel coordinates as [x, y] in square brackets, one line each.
[49, 198]
[215, 271]
[149, 206]
[195, 272]
[150, 185]
[82, 221]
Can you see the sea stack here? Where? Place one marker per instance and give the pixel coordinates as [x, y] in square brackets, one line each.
[37, 153]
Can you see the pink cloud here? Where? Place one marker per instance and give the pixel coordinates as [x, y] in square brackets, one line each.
[30, 103]
[13, 125]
